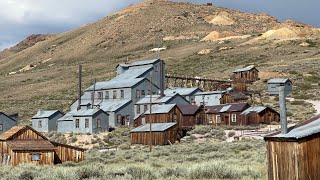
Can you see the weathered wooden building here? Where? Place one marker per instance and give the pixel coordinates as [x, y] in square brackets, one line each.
[23, 144]
[295, 155]
[191, 115]
[6, 122]
[225, 114]
[161, 134]
[259, 115]
[245, 75]
[233, 97]
[46, 121]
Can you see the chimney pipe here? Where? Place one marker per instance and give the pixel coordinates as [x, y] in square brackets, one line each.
[79, 88]
[161, 79]
[283, 111]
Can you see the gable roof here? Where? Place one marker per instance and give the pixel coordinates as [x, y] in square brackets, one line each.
[160, 109]
[30, 145]
[189, 109]
[210, 92]
[86, 112]
[249, 68]
[234, 107]
[16, 129]
[113, 105]
[45, 114]
[181, 91]
[278, 80]
[133, 72]
[116, 84]
[156, 99]
[155, 127]
[8, 116]
[139, 63]
[300, 131]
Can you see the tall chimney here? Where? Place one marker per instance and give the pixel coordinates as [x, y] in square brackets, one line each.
[79, 88]
[283, 111]
[161, 78]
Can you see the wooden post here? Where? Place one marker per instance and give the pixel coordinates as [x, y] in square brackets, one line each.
[150, 116]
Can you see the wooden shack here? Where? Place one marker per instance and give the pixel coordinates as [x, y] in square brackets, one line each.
[23, 144]
[233, 97]
[161, 134]
[191, 115]
[295, 155]
[225, 114]
[245, 75]
[259, 115]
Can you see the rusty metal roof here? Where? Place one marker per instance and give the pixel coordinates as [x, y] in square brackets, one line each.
[249, 68]
[155, 127]
[227, 108]
[188, 109]
[15, 129]
[30, 145]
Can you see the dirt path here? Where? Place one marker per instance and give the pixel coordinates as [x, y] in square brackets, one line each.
[316, 105]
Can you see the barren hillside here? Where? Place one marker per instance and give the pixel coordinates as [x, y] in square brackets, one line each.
[45, 74]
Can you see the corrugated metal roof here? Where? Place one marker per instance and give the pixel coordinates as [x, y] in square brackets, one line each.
[188, 109]
[227, 108]
[156, 99]
[139, 63]
[44, 114]
[161, 109]
[66, 117]
[85, 112]
[278, 80]
[155, 127]
[210, 92]
[30, 145]
[181, 91]
[256, 109]
[245, 69]
[112, 105]
[133, 72]
[305, 129]
[115, 84]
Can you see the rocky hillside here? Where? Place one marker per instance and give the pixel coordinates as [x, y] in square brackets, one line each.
[197, 40]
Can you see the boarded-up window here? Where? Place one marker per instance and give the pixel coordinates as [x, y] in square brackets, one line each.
[218, 119]
[99, 95]
[86, 123]
[234, 118]
[122, 93]
[77, 123]
[107, 95]
[138, 109]
[98, 123]
[114, 94]
[145, 108]
[35, 156]
[1, 127]
[39, 124]
[138, 93]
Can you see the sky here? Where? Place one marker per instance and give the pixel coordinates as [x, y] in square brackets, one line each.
[21, 18]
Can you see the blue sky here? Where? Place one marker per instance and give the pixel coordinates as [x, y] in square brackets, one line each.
[20, 18]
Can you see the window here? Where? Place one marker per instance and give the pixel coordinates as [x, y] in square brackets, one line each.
[98, 123]
[218, 119]
[1, 127]
[99, 95]
[138, 93]
[143, 121]
[234, 118]
[86, 123]
[35, 156]
[127, 120]
[174, 118]
[143, 93]
[138, 109]
[210, 120]
[107, 95]
[145, 108]
[119, 117]
[149, 92]
[114, 94]
[156, 69]
[122, 93]
[39, 124]
[77, 123]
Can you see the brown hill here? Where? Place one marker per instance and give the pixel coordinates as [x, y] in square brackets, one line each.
[45, 74]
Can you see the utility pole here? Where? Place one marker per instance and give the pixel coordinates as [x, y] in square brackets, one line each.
[283, 110]
[94, 92]
[79, 88]
[150, 115]
[204, 108]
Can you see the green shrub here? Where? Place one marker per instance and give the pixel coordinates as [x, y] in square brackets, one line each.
[73, 139]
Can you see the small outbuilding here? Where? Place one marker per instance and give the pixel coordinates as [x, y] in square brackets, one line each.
[233, 97]
[295, 155]
[245, 75]
[46, 121]
[6, 122]
[274, 84]
[259, 115]
[23, 144]
[161, 134]
[191, 115]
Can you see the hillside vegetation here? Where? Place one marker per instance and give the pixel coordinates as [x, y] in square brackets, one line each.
[44, 75]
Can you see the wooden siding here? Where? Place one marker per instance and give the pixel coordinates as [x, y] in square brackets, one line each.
[246, 76]
[159, 138]
[265, 117]
[225, 119]
[65, 153]
[296, 160]
[20, 157]
[27, 134]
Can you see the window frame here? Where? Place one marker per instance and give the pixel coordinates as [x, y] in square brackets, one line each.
[138, 110]
[218, 117]
[114, 94]
[137, 93]
[233, 117]
[86, 123]
[119, 118]
[143, 93]
[33, 155]
[107, 95]
[98, 123]
[145, 108]
[100, 95]
[121, 93]
[1, 127]
[77, 123]
[40, 124]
